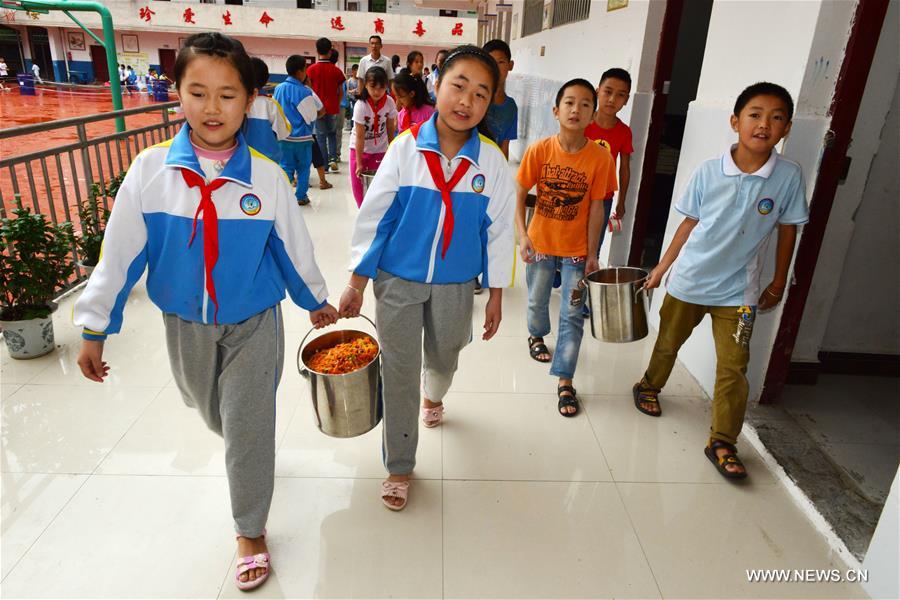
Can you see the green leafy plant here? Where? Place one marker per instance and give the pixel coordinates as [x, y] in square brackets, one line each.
[35, 262]
[93, 217]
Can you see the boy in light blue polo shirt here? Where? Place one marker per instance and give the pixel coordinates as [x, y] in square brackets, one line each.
[731, 206]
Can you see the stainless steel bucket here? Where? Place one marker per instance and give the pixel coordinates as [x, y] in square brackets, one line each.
[367, 177]
[345, 405]
[619, 304]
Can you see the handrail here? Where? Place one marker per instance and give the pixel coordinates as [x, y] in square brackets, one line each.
[74, 121]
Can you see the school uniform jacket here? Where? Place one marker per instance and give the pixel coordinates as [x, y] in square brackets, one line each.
[400, 227]
[263, 244]
[266, 125]
[300, 106]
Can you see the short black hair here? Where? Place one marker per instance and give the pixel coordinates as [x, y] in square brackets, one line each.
[500, 45]
[764, 88]
[323, 46]
[578, 82]
[220, 46]
[354, 67]
[377, 37]
[616, 73]
[260, 72]
[295, 63]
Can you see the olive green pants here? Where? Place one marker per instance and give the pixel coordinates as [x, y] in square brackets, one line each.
[732, 327]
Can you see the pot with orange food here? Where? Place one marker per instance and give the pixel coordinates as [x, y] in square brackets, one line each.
[344, 372]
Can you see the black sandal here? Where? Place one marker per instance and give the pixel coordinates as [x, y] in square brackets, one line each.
[566, 400]
[536, 347]
[723, 461]
[646, 396]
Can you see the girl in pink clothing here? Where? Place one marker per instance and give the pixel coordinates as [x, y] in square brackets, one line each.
[412, 99]
[374, 126]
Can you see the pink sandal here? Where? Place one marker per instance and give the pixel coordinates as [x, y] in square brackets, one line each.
[394, 489]
[254, 561]
[432, 417]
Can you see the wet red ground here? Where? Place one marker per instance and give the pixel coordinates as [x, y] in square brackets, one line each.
[54, 192]
[52, 105]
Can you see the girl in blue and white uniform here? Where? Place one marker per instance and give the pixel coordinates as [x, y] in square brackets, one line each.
[438, 214]
[216, 225]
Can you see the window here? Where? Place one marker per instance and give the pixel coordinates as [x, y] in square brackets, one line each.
[570, 11]
[304, 4]
[538, 15]
[448, 13]
[235, 2]
[378, 6]
[533, 16]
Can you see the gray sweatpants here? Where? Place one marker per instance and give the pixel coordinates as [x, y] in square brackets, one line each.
[403, 311]
[230, 374]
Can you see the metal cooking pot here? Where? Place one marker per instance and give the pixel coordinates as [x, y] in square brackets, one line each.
[619, 304]
[345, 405]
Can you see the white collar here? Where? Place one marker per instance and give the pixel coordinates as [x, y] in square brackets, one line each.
[731, 169]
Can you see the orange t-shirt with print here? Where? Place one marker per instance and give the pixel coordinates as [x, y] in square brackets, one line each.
[566, 185]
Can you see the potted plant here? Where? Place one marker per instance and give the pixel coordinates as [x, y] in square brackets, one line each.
[93, 217]
[35, 262]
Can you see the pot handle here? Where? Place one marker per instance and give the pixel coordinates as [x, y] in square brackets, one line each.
[305, 372]
[646, 293]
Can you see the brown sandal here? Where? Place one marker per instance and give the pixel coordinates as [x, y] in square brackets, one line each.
[721, 462]
[326, 186]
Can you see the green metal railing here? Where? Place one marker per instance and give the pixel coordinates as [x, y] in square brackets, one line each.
[55, 180]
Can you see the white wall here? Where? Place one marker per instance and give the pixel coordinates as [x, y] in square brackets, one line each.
[864, 315]
[847, 299]
[786, 51]
[883, 554]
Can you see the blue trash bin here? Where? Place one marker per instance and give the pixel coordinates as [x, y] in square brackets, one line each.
[26, 84]
[161, 91]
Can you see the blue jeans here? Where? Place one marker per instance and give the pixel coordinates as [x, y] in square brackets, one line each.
[296, 157]
[326, 134]
[539, 276]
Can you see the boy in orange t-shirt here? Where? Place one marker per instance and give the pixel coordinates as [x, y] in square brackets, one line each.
[573, 176]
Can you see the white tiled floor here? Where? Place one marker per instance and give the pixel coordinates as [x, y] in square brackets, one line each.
[117, 490]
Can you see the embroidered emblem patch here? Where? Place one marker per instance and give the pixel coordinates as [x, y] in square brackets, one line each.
[765, 206]
[250, 204]
[478, 184]
[605, 144]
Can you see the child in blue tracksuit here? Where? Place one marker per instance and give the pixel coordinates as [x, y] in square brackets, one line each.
[266, 124]
[301, 107]
[439, 213]
[215, 225]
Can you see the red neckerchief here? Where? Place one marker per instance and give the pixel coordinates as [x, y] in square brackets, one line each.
[210, 229]
[375, 108]
[433, 160]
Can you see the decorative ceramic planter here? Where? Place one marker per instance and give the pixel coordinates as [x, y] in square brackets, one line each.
[30, 338]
